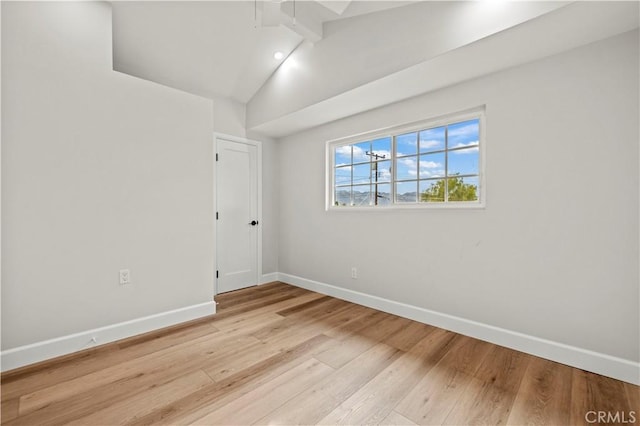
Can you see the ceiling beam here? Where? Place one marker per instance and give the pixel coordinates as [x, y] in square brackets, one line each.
[566, 28]
[302, 23]
[336, 6]
[271, 14]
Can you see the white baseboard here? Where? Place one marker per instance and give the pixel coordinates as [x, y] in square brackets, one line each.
[269, 278]
[41, 351]
[595, 362]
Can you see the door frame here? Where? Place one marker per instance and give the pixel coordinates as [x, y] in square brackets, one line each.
[258, 144]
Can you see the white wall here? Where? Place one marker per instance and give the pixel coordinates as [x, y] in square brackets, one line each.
[229, 117]
[555, 252]
[100, 171]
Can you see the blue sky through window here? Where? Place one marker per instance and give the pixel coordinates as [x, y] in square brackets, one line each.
[407, 144]
[422, 160]
[463, 135]
[432, 139]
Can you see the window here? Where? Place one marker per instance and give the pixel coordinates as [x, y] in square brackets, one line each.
[436, 163]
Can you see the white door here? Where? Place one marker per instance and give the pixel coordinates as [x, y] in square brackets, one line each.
[237, 221]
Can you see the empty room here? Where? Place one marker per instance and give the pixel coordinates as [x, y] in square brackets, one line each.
[437, 201]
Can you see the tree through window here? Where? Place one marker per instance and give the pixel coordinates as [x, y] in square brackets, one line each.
[437, 164]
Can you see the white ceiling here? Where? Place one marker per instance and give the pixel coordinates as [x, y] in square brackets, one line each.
[359, 7]
[210, 49]
[280, 108]
[216, 48]
[343, 57]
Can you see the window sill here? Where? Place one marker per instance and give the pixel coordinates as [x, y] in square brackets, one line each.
[421, 206]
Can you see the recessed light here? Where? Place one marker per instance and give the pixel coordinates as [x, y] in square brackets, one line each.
[278, 55]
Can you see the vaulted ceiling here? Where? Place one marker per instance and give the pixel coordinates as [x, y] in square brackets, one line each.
[220, 48]
[342, 57]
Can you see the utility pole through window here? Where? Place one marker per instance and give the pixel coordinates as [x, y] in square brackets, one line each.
[374, 168]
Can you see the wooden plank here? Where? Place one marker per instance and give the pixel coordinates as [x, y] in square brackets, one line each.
[396, 419]
[145, 402]
[318, 400]
[592, 392]
[432, 399]
[466, 355]
[206, 400]
[489, 396]
[109, 385]
[163, 359]
[253, 292]
[222, 367]
[340, 352]
[240, 298]
[249, 324]
[263, 399]
[354, 337]
[320, 312]
[503, 367]
[286, 333]
[544, 395]
[633, 397]
[390, 325]
[350, 339]
[373, 402]
[304, 306]
[230, 320]
[368, 319]
[20, 373]
[295, 328]
[255, 304]
[408, 335]
[324, 309]
[9, 410]
[296, 332]
[81, 364]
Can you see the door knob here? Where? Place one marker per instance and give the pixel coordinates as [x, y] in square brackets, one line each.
[253, 223]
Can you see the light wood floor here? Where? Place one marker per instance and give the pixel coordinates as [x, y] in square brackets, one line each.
[276, 354]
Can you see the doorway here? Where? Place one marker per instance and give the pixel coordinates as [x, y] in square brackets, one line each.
[238, 210]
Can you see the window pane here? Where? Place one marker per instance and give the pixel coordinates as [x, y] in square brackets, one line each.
[406, 192]
[466, 133]
[343, 175]
[407, 144]
[362, 173]
[359, 152]
[432, 191]
[406, 168]
[383, 171]
[343, 155]
[384, 194]
[343, 196]
[432, 139]
[381, 148]
[362, 195]
[463, 189]
[463, 162]
[432, 165]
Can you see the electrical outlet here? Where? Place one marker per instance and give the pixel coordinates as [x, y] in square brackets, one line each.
[125, 277]
[354, 273]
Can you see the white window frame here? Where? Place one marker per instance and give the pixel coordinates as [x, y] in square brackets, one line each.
[475, 113]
